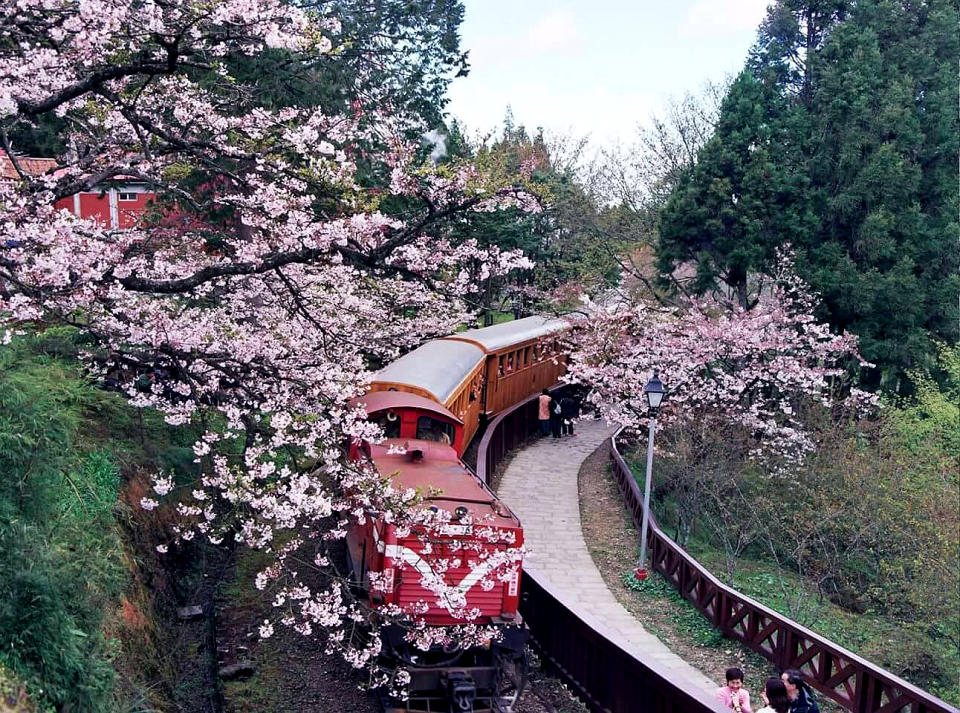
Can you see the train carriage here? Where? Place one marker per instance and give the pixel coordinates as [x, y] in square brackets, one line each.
[449, 373]
[522, 358]
[479, 372]
[430, 403]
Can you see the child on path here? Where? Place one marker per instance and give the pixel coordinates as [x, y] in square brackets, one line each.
[734, 695]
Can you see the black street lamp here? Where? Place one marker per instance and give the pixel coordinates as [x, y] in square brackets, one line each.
[654, 393]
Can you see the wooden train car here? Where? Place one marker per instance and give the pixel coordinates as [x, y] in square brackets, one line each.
[430, 403]
[448, 373]
[478, 373]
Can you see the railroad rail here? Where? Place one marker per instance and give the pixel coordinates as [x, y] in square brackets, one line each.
[611, 680]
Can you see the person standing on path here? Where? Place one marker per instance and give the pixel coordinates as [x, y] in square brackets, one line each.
[545, 403]
[569, 412]
[555, 418]
[799, 693]
[734, 695]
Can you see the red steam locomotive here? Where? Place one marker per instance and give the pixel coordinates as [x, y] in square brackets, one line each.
[430, 403]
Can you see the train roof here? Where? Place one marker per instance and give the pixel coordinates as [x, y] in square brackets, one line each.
[505, 334]
[437, 367]
[376, 401]
[440, 468]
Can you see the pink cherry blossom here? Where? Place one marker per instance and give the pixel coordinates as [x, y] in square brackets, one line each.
[751, 366]
[264, 290]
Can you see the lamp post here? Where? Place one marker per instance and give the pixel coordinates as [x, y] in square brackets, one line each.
[654, 393]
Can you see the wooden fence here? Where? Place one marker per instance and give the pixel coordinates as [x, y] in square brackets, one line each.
[853, 682]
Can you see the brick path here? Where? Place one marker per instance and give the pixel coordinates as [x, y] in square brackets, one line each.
[540, 486]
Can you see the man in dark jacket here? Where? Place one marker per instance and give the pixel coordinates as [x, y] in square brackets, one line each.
[799, 693]
[569, 412]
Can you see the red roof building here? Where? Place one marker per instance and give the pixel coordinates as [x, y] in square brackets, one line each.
[30, 166]
[118, 206]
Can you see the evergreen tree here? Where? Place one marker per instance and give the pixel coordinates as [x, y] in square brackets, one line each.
[882, 165]
[841, 139]
[789, 39]
[742, 199]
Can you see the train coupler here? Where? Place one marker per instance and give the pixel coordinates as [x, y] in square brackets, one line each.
[461, 689]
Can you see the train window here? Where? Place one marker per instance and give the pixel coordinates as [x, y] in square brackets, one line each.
[431, 429]
[526, 356]
[510, 361]
[475, 387]
[500, 366]
[389, 421]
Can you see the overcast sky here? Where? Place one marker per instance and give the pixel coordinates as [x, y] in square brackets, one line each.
[594, 67]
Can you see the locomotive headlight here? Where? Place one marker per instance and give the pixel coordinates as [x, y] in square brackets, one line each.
[460, 513]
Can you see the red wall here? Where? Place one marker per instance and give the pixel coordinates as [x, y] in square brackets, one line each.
[97, 206]
[129, 212]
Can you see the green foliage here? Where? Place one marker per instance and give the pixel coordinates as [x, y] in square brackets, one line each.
[929, 421]
[840, 139]
[564, 239]
[61, 564]
[43, 139]
[688, 620]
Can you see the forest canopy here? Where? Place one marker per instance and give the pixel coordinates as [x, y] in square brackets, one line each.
[840, 137]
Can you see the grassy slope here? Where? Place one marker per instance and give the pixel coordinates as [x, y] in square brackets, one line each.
[78, 625]
[911, 650]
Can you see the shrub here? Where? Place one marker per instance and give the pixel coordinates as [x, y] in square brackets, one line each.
[60, 554]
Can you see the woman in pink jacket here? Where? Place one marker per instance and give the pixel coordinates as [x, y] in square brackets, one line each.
[734, 695]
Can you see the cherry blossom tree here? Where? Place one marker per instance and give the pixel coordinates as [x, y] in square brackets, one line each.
[752, 367]
[265, 284]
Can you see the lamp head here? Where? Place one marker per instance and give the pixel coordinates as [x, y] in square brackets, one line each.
[654, 391]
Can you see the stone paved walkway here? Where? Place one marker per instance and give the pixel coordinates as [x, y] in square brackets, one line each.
[540, 486]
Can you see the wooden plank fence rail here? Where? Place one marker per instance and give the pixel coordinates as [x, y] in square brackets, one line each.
[853, 682]
[605, 677]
